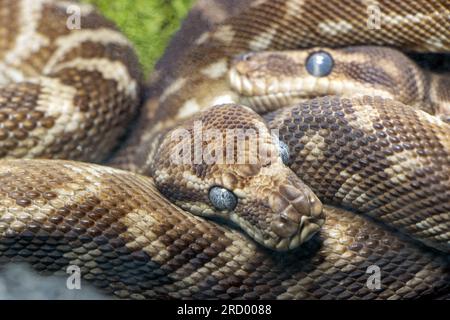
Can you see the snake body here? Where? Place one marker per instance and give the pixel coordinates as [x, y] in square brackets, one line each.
[71, 94]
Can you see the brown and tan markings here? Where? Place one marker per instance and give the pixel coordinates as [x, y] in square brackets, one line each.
[378, 163]
[132, 242]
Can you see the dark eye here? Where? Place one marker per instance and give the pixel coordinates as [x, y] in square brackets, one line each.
[319, 64]
[284, 151]
[222, 199]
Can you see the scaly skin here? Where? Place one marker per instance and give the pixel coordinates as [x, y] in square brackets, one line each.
[130, 241]
[127, 237]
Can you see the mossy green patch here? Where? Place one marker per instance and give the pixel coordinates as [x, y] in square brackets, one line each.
[148, 23]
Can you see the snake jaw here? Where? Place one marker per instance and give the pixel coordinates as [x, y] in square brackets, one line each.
[273, 206]
[300, 217]
[278, 210]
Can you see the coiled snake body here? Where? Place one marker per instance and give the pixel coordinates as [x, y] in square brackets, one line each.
[68, 94]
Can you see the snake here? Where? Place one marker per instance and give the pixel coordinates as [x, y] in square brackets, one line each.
[348, 172]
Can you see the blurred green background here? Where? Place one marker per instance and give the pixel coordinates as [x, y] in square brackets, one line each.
[148, 23]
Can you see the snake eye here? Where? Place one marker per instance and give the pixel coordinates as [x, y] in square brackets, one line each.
[319, 64]
[222, 199]
[284, 151]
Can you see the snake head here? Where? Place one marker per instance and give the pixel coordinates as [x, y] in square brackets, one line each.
[225, 164]
[273, 79]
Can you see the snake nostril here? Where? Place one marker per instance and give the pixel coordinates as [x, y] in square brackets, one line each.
[290, 213]
[244, 57]
[302, 204]
[242, 63]
[284, 228]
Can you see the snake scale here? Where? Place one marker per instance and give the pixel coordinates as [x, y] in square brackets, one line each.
[354, 181]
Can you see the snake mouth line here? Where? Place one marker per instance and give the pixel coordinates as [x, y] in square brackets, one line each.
[272, 102]
[258, 86]
[268, 94]
[307, 228]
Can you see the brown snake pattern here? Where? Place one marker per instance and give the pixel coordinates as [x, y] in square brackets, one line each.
[132, 242]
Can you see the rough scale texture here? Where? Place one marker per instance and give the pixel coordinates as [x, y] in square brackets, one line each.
[270, 80]
[128, 238]
[375, 156]
[63, 93]
[132, 242]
